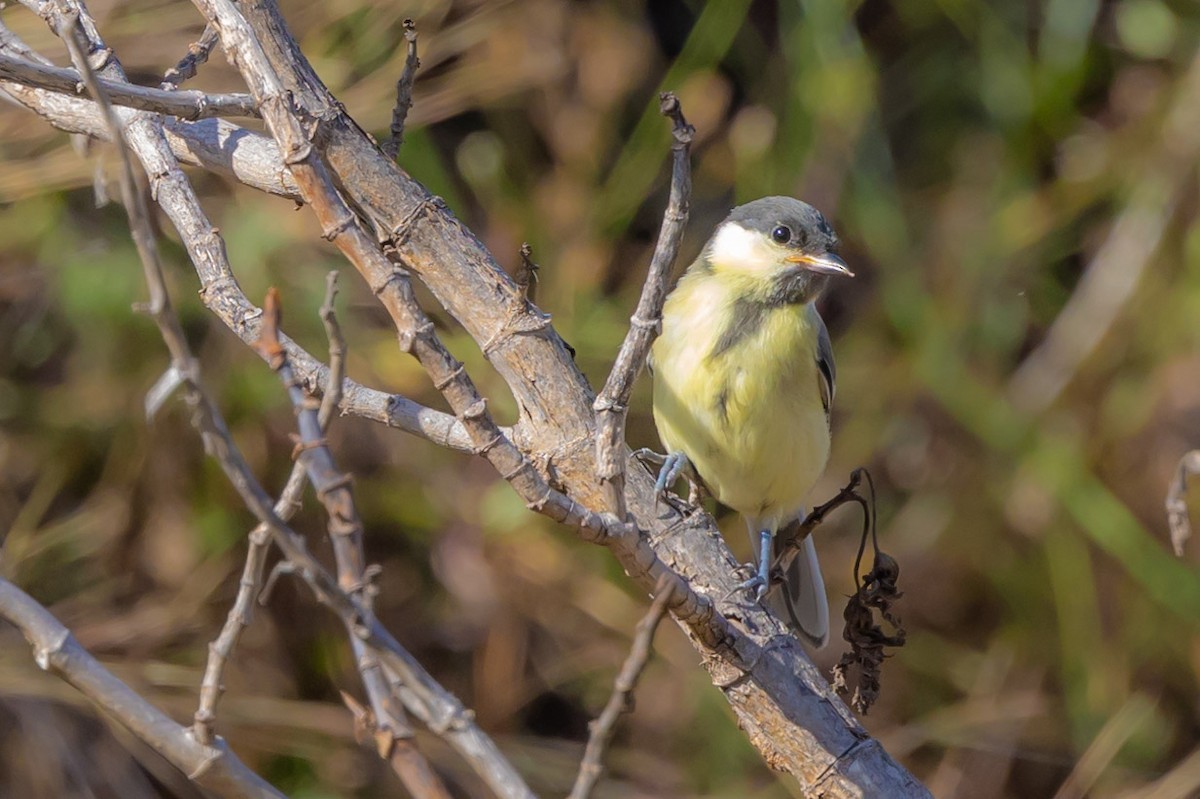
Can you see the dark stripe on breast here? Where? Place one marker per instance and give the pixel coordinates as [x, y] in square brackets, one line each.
[745, 318]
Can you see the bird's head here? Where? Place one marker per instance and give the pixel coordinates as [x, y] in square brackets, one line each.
[781, 249]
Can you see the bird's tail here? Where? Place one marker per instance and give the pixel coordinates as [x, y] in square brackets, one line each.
[800, 601]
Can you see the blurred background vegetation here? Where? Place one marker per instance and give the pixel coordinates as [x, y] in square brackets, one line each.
[1013, 182]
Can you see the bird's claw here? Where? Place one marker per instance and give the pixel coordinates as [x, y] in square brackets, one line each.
[756, 586]
[673, 464]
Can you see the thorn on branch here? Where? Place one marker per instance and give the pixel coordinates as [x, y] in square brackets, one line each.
[404, 90]
[268, 345]
[527, 274]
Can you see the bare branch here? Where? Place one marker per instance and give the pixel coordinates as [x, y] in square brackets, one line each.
[221, 146]
[183, 104]
[435, 706]
[346, 534]
[211, 766]
[286, 506]
[197, 53]
[404, 90]
[1177, 508]
[787, 710]
[621, 699]
[612, 404]
[416, 335]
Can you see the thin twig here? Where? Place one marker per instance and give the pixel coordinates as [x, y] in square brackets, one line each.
[286, 506]
[612, 404]
[1177, 508]
[197, 53]
[621, 699]
[346, 535]
[212, 767]
[404, 90]
[792, 536]
[71, 32]
[187, 104]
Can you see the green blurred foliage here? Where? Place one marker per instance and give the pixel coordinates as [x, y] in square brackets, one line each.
[979, 161]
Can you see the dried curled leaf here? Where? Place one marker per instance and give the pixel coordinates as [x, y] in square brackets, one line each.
[877, 593]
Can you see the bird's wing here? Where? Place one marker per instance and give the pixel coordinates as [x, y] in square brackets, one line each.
[825, 365]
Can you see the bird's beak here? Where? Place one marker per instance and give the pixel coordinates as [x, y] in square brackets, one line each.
[826, 263]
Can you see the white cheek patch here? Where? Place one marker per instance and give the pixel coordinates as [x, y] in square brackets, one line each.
[738, 249]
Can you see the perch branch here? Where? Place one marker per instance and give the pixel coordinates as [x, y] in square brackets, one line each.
[612, 404]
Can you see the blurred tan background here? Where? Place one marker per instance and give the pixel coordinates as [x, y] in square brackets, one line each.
[1015, 186]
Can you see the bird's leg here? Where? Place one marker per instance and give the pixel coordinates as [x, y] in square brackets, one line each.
[758, 583]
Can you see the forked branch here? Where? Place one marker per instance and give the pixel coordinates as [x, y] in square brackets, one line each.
[612, 403]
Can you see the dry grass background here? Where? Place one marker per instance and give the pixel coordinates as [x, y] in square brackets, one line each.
[974, 157]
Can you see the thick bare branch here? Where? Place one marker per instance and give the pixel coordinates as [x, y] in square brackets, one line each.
[183, 104]
[612, 404]
[621, 699]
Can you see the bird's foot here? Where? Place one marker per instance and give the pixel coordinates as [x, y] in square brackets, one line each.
[672, 466]
[760, 578]
[756, 586]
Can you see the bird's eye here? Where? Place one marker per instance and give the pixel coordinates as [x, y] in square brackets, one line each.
[782, 234]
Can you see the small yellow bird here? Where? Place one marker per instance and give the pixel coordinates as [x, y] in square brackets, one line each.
[744, 380]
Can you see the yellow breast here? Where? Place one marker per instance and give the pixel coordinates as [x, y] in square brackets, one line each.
[750, 419]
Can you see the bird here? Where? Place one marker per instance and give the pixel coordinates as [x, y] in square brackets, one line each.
[743, 383]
